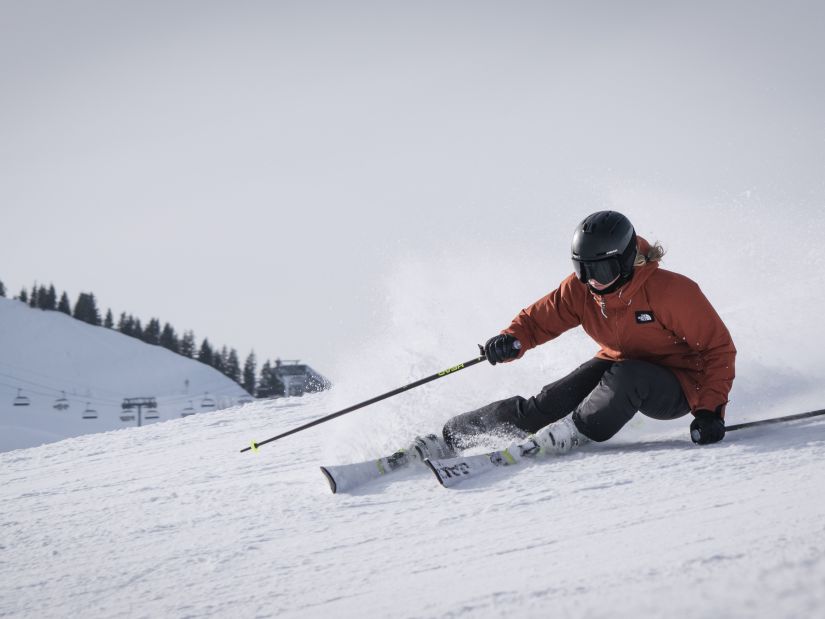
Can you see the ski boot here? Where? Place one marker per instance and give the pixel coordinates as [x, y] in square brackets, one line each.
[559, 437]
[431, 446]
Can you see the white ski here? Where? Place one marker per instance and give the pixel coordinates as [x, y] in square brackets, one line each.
[344, 477]
[451, 471]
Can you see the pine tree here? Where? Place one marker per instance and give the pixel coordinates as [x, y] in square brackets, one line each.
[33, 297]
[233, 366]
[23, 296]
[2, 290]
[269, 385]
[93, 311]
[129, 325]
[51, 298]
[264, 388]
[42, 298]
[205, 352]
[151, 334]
[249, 373]
[85, 309]
[64, 306]
[169, 339]
[275, 385]
[109, 321]
[219, 360]
[187, 344]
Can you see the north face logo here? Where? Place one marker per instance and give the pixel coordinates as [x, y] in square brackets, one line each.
[644, 317]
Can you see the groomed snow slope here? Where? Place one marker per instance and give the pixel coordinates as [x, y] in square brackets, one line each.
[171, 520]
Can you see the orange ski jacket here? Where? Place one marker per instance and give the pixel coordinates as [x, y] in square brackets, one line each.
[658, 316]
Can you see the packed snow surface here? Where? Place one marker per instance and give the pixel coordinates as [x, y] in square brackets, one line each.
[171, 520]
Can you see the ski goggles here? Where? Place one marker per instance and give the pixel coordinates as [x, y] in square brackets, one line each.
[603, 271]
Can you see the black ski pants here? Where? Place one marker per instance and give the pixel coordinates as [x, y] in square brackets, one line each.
[602, 395]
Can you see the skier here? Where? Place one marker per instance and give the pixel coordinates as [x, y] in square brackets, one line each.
[664, 349]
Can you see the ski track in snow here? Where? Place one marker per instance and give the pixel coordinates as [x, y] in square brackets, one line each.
[171, 520]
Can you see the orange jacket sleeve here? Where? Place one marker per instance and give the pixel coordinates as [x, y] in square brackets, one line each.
[547, 318]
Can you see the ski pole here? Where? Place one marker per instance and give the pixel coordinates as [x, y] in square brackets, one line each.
[384, 396]
[763, 422]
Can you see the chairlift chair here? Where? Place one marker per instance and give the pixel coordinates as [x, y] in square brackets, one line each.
[89, 413]
[207, 401]
[152, 413]
[21, 400]
[127, 416]
[189, 410]
[61, 403]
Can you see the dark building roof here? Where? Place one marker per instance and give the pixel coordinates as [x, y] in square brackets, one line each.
[293, 372]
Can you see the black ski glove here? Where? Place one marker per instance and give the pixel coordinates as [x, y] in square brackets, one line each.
[707, 427]
[501, 348]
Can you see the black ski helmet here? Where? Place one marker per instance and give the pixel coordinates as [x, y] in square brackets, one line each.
[604, 248]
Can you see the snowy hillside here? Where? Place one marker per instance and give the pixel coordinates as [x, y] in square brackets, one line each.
[48, 359]
[171, 521]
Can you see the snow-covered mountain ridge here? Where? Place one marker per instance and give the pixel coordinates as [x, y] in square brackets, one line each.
[47, 356]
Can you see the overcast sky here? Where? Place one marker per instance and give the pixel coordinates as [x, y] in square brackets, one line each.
[283, 175]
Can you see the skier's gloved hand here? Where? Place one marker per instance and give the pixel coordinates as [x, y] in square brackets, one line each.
[501, 348]
[707, 427]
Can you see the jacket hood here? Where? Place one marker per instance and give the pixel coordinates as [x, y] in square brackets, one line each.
[643, 245]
